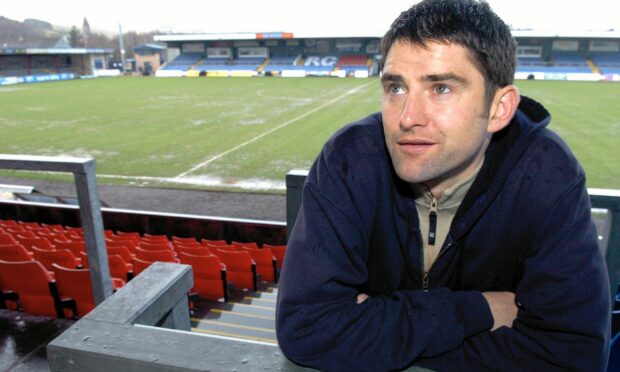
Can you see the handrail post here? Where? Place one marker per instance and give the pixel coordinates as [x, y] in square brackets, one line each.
[295, 180]
[83, 170]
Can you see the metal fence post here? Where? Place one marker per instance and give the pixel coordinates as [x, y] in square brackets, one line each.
[294, 184]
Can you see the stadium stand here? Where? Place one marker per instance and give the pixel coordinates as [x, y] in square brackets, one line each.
[608, 63]
[352, 63]
[184, 61]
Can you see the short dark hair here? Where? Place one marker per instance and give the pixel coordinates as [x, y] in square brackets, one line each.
[469, 23]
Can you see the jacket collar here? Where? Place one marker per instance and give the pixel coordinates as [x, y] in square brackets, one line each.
[506, 148]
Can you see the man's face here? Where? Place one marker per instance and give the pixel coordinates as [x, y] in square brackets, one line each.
[434, 115]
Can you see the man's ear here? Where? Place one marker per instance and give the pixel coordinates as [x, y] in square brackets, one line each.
[503, 108]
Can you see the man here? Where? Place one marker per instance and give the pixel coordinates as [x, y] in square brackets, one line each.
[453, 230]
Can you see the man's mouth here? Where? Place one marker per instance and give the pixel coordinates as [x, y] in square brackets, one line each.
[414, 146]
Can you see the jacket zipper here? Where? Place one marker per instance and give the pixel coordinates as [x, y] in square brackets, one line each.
[432, 234]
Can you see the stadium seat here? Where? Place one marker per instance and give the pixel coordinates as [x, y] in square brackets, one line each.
[279, 251]
[155, 239]
[265, 264]
[177, 239]
[76, 247]
[8, 223]
[229, 248]
[121, 251]
[196, 251]
[54, 227]
[165, 255]
[251, 245]
[30, 285]
[41, 243]
[241, 269]
[213, 243]
[75, 289]
[119, 268]
[15, 252]
[209, 276]
[7, 239]
[30, 225]
[140, 265]
[127, 244]
[131, 239]
[47, 234]
[177, 246]
[132, 234]
[62, 257]
[17, 229]
[155, 246]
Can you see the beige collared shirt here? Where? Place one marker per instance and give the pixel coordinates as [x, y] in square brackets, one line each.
[445, 209]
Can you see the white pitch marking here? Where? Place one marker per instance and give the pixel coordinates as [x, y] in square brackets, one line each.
[216, 157]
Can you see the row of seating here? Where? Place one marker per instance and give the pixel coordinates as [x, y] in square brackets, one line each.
[64, 292]
[607, 63]
[349, 63]
[216, 264]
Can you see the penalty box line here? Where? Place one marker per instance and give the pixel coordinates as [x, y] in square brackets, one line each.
[283, 125]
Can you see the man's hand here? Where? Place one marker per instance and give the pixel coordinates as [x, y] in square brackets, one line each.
[361, 298]
[503, 308]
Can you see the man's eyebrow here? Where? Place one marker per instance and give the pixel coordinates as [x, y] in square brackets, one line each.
[445, 77]
[391, 78]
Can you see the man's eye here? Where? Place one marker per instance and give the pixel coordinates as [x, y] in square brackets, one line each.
[441, 89]
[396, 89]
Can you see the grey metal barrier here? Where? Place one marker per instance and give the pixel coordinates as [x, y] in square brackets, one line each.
[143, 327]
[83, 170]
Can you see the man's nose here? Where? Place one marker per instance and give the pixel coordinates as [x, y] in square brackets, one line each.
[414, 112]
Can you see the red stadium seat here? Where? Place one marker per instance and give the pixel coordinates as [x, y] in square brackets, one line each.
[209, 276]
[41, 243]
[75, 289]
[140, 265]
[200, 251]
[62, 257]
[213, 243]
[33, 285]
[164, 255]
[121, 251]
[279, 251]
[127, 244]
[8, 223]
[30, 225]
[185, 241]
[265, 264]
[119, 268]
[241, 269]
[251, 245]
[155, 246]
[76, 247]
[15, 252]
[7, 239]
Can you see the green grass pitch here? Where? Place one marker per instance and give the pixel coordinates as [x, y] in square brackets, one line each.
[237, 133]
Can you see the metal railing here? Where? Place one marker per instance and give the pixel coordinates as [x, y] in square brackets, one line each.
[144, 327]
[83, 170]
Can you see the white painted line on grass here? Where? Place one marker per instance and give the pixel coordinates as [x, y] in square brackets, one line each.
[206, 181]
[285, 124]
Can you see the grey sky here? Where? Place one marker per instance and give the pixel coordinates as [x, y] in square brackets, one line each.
[316, 17]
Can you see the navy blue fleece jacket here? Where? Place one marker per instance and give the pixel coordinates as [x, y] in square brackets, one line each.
[524, 227]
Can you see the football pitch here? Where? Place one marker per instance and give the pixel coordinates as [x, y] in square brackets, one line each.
[247, 133]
